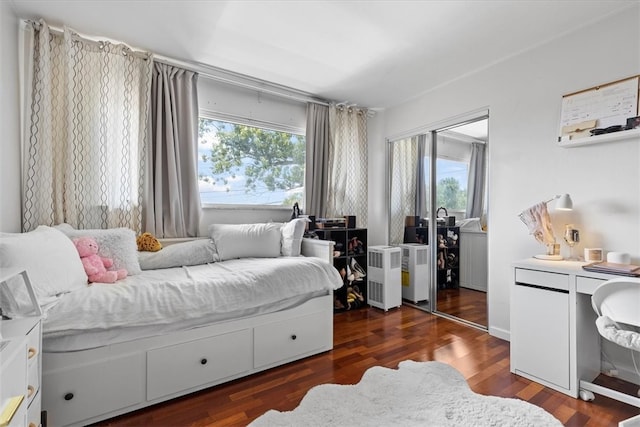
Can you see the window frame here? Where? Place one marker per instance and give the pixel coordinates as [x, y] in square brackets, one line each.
[246, 121]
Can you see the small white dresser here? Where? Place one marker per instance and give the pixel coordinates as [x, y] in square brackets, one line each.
[20, 363]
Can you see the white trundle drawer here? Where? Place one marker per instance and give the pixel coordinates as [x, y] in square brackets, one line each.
[75, 394]
[183, 366]
[279, 341]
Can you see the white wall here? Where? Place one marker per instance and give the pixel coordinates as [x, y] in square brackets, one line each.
[526, 166]
[9, 122]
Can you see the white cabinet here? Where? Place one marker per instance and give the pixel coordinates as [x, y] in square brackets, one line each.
[21, 362]
[554, 340]
[540, 326]
[474, 260]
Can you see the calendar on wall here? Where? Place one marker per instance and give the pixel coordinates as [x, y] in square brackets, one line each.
[607, 108]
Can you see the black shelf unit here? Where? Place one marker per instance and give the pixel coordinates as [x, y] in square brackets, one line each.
[350, 249]
[448, 258]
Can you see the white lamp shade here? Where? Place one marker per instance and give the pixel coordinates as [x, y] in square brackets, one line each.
[564, 203]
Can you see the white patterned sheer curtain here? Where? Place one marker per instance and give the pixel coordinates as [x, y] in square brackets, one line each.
[348, 180]
[86, 127]
[404, 155]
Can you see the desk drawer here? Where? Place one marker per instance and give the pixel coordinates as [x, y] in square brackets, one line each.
[587, 285]
[187, 365]
[543, 279]
[287, 339]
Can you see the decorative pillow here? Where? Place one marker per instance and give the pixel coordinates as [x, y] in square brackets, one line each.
[246, 240]
[50, 259]
[292, 233]
[119, 244]
[200, 251]
[148, 242]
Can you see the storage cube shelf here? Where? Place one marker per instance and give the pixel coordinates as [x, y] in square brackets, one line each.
[350, 254]
[448, 255]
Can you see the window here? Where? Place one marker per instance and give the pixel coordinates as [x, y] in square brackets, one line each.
[246, 165]
[451, 180]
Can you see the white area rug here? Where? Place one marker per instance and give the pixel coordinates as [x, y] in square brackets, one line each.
[415, 394]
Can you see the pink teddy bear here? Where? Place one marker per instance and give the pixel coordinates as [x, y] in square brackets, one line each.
[94, 265]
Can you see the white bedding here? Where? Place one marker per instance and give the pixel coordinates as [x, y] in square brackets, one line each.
[157, 301]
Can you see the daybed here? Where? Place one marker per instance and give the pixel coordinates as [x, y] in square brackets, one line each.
[164, 332]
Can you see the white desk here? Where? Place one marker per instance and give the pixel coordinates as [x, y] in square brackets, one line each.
[554, 340]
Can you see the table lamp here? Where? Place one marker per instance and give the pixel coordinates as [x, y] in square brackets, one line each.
[537, 219]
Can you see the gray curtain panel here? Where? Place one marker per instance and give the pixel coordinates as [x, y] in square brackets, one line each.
[317, 159]
[172, 200]
[475, 185]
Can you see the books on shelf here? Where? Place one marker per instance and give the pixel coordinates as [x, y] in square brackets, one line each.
[613, 268]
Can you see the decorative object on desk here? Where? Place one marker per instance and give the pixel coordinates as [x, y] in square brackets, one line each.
[538, 221]
[593, 254]
[417, 393]
[618, 258]
[571, 236]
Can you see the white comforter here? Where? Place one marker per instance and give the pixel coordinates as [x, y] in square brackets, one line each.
[158, 297]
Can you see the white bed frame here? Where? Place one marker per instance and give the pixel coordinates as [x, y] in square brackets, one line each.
[88, 386]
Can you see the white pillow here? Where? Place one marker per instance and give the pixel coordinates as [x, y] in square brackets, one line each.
[200, 251]
[50, 259]
[292, 233]
[246, 240]
[119, 244]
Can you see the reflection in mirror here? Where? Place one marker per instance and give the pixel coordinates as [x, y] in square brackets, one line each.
[456, 276]
[462, 250]
[408, 188]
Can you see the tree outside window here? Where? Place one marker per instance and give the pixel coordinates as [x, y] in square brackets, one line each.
[240, 164]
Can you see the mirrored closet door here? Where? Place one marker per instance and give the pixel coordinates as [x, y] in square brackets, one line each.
[442, 183]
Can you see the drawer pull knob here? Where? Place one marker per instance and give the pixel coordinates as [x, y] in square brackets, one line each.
[31, 352]
[203, 361]
[294, 336]
[68, 396]
[32, 425]
[30, 390]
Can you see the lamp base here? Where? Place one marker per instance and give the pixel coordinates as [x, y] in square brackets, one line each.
[549, 257]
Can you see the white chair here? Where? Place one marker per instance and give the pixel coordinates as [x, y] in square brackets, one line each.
[617, 303]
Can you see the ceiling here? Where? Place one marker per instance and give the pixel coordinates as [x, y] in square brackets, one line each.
[373, 53]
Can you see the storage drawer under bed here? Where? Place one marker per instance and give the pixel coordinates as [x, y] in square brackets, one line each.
[289, 339]
[188, 365]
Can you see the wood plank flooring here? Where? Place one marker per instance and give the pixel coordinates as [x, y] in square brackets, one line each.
[464, 303]
[366, 338]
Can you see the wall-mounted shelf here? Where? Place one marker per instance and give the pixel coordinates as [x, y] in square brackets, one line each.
[597, 139]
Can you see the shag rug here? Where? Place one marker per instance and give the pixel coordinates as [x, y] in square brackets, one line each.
[415, 394]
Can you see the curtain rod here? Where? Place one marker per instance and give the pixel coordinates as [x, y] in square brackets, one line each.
[215, 73]
[77, 36]
[241, 80]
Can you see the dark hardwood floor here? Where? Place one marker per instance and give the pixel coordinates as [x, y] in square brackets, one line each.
[464, 303]
[366, 338]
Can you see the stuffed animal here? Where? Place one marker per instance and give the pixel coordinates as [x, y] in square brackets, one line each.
[94, 265]
[147, 242]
